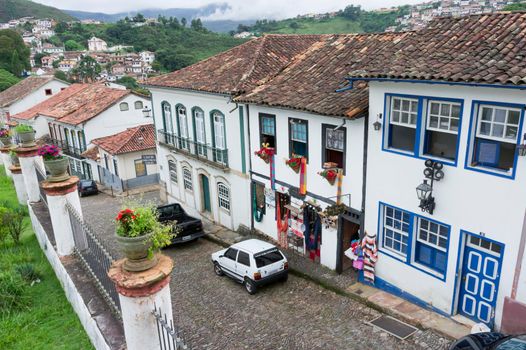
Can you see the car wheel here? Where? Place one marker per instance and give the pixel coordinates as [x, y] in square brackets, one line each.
[285, 278]
[218, 270]
[250, 286]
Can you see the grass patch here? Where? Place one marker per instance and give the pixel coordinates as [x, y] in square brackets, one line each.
[41, 317]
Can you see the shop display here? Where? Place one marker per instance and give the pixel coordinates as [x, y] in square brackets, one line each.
[370, 256]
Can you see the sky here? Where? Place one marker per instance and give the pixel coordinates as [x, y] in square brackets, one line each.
[240, 9]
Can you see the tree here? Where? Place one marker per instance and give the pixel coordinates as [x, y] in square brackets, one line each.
[87, 70]
[61, 27]
[7, 79]
[171, 59]
[55, 40]
[139, 18]
[183, 22]
[14, 54]
[129, 82]
[61, 75]
[38, 58]
[17, 67]
[515, 7]
[196, 24]
[352, 12]
[72, 45]
[294, 25]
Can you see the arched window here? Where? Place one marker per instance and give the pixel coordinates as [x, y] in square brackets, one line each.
[199, 130]
[182, 126]
[167, 122]
[219, 137]
[172, 169]
[223, 196]
[138, 105]
[124, 106]
[82, 141]
[187, 179]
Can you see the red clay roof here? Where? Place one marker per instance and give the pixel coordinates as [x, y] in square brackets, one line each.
[310, 82]
[22, 89]
[134, 139]
[487, 48]
[240, 68]
[76, 104]
[92, 153]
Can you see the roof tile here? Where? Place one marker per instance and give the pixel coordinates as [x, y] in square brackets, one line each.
[134, 139]
[22, 89]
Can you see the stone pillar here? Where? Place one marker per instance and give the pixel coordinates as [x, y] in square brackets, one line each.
[20, 186]
[27, 157]
[139, 293]
[6, 159]
[58, 194]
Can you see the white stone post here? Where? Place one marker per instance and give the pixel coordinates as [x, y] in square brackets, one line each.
[27, 157]
[58, 194]
[139, 293]
[20, 186]
[6, 159]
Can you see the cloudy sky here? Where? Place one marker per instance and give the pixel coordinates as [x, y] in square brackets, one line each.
[240, 9]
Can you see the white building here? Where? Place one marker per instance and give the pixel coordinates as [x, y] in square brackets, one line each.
[96, 44]
[465, 256]
[28, 93]
[147, 57]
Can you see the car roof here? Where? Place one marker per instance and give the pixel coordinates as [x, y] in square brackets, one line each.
[253, 245]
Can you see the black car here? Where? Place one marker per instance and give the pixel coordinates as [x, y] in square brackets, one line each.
[188, 227]
[490, 341]
[87, 187]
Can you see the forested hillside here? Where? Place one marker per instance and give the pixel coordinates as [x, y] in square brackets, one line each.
[13, 9]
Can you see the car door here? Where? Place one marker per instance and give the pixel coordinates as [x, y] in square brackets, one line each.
[243, 264]
[229, 262]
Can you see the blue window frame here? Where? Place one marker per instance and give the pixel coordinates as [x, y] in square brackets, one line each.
[423, 127]
[415, 240]
[494, 134]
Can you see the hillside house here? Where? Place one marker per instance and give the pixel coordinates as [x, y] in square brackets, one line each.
[96, 44]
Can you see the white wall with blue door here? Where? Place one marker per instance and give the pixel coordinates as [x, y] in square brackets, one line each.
[460, 259]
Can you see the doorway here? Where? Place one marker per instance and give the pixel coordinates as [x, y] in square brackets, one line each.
[479, 281]
[348, 230]
[205, 188]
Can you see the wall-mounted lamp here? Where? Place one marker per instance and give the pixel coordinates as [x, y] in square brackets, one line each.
[424, 191]
[146, 112]
[377, 125]
[522, 147]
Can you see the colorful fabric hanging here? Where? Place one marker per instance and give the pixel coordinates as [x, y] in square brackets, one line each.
[283, 227]
[258, 214]
[303, 176]
[370, 256]
[339, 187]
[272, 172]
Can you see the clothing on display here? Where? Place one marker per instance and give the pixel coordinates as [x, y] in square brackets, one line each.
[370, 256]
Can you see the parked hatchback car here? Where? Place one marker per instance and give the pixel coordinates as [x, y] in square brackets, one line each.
[87, 187]
[490, 341]
[252, 262]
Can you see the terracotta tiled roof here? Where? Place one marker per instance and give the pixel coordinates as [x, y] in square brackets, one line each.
[76, 104]
[310, 82]
[22, 89]
[240, 68]
[92, 153]
[134, 139]
[487, 48]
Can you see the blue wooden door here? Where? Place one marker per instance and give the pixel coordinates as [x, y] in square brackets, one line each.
[480, 279]
[206, 194]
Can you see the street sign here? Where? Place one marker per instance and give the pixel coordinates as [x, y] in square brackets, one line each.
[149, 159]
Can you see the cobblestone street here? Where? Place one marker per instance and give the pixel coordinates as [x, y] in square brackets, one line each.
[217, 313]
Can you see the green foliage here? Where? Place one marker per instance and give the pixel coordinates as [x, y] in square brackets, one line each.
[87, 70]
[4, 232]
[28, 272]
[72, 45]
[38, 58]
[15, 223]
[7, 79]
[21, 128]
[14, 55]
[13, 9]
[521, 6]
[55, 40]
[12, 292]
[61, 75]
[352, 12]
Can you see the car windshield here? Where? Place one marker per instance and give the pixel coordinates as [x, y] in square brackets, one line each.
[85, 184]
[267, 258]
[514, 343]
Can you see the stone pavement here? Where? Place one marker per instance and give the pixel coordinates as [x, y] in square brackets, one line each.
[346, 284]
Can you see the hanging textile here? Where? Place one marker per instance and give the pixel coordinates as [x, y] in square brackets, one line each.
[283, 226]
[339, 187]
[370, 256]
[303, 176]
[273, 172]
[258, 214]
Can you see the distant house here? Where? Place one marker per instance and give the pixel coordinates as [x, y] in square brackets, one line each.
[47, 61]
[67, 65]
[28, 93]
[50, 48]
[96, 44]
[118, 70]
[127, 159]
[147, 57]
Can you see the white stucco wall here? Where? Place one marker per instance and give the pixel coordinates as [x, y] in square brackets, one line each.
[467, 200]
[36, 96]
[234, 178]
[126, 163]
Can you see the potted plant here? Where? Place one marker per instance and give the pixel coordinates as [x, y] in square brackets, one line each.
[294, 163]
[329, 174]
[14, 158]
[56, 164]
[265, 152]
[26, 135]
[140, 236]
[5, 136]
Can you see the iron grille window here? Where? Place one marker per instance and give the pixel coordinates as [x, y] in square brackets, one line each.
[223, 193]
[187, 179]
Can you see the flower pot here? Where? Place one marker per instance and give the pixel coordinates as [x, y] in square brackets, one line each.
[27, 138]
[58, 169]
[6, 141]
[135, 249]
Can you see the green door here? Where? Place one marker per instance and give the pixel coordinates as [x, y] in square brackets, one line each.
[206, 194]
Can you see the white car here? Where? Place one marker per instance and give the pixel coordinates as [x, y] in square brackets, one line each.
[253, 263]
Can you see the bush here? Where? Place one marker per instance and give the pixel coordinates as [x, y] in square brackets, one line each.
[28, 272]
[14, 220]
[23, 128]
[4, 231]
[12, 292]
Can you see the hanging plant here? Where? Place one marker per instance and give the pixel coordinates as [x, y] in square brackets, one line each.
[329, 174]
[265, 152]
[294, 163]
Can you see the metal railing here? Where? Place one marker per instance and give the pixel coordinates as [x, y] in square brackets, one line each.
[68, 149]
[41, 176]
[212, 155]
[170, 337]
[95, 258]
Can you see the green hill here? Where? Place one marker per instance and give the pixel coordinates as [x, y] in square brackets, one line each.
[13, 9]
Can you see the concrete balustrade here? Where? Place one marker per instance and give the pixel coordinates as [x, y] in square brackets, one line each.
[27, 157]
[20, 186]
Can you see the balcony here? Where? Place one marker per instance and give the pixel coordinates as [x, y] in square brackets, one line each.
[68, 149]
[211, 155]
